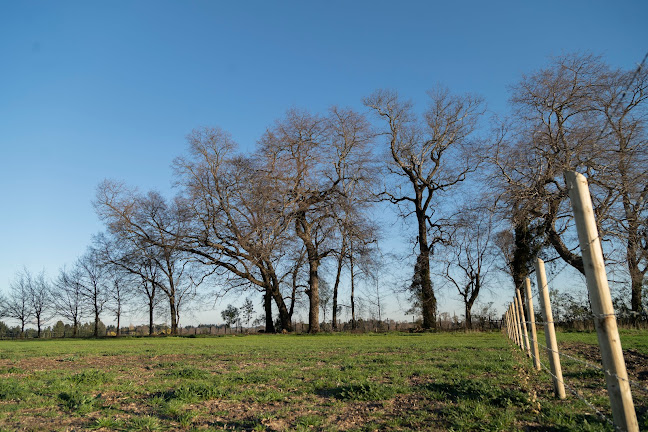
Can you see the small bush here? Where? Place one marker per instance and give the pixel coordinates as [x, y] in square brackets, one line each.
[76, 401]
[364, 392]
[194, 392]
[91, 377]
[11, 389]
[187, 372]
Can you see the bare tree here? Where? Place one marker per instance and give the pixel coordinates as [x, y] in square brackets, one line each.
[309, 156]
[40, 299]
[428, 158]
[93, 284]
[470, 256]
[132, 259]
[237, 220]
[154, 228]
[67, 295]
[247, 311]
[17, 304]
[119, 293]
[570, 115]
[623, 168]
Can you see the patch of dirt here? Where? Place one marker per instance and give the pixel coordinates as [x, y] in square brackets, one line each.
[636, 362]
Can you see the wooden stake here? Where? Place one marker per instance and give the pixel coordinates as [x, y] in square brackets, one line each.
[518, 329]
[509, 325]
[523, 324]
[550, 332]
[616, 377]
[531, 313]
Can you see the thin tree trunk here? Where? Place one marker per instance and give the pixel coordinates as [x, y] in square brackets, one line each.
[354, 323]
[313, 281]
[173, 311]
[285, 317]
[117, 333]
[151, 310]
[96, 322]
[267, 305]
[336, 286]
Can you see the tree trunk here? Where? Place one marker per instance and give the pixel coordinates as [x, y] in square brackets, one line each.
[336, 286]
[354, 323]
[636, 281]
[117, 332]
[303, 230]
[96, 322]
[521, 253]
[267, 305]
[285, 317]
[428, 300]
[313, 295]
[633, 253]
[151, 310]
[173, 311]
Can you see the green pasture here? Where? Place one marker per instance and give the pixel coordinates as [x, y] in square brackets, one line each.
[394, 382]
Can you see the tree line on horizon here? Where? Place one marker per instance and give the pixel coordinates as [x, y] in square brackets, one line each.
[478, 194]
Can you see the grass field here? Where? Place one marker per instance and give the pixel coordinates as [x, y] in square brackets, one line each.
[397, 382]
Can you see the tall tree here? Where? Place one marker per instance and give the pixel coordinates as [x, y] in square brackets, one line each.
[40, 299]
[68, 298]
[154, 228]
[236, 213]
[17, 304]
[93, 285]
[470, 256]
[428, 156]
[624, 168]
[570, 115]
[309, 155]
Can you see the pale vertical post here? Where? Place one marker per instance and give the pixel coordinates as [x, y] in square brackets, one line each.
[523, 326]
[518, 330]
[616, 376]
[508, 322]
[534, 335]
[514, 325]
[550, 332]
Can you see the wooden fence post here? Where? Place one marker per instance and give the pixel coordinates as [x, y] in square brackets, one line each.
[534, 335]
[523, 326]
[506, 321]
[509, 327]
[516, 324]
[550, 332]
[616, 376]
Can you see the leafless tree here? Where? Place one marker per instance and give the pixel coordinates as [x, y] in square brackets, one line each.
[623, 169]
[469, 256]
[40, 299]
[428, 157]
[119, 293]
[17, 304]
[570, 116]
[309, 156]
[93, 284]
[155, 229]
[238, 225]
[68, 298]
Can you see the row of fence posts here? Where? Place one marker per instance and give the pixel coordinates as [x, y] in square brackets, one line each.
[618, 385]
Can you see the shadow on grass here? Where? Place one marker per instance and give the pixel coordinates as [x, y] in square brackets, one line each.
[475, 390]
[359, 392]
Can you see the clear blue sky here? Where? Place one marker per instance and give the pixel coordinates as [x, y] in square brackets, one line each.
[94, 90]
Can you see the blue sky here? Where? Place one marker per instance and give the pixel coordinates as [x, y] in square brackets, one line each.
[94, 90]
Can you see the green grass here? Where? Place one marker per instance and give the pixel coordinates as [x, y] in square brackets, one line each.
[396, 382]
